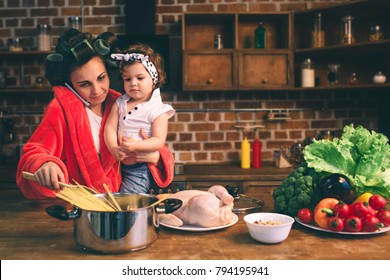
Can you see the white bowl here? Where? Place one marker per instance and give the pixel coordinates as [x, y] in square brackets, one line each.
[269, 233]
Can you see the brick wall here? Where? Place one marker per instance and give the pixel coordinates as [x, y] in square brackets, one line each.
[196, 134]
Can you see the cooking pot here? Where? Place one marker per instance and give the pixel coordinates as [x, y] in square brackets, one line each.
[117, 232]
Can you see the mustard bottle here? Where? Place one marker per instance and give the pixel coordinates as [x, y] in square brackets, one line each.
[245, 154]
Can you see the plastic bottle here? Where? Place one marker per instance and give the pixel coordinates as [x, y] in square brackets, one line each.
[260, 37]
[245, 154]
[256, 153]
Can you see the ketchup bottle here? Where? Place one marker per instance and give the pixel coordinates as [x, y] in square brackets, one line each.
[256, 153]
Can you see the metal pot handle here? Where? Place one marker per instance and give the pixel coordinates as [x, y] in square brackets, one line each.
[170, 205]
[60, 212]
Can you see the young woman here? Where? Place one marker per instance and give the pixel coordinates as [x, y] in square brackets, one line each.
[68, 145]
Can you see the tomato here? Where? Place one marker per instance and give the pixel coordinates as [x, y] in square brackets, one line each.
[384, 217]
[306, 216]
[371, 223]
[353, 224]
[335, 224]
[362, 209]
[341, 209]
[377, 202]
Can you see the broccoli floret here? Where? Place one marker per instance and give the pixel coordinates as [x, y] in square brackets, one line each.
[297, 191]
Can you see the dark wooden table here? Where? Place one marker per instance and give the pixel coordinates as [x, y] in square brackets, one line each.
[28, 233]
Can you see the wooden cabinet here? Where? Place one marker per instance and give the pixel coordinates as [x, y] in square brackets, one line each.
[210, 70]
[238, 65]
[363, 57]
[263, 70]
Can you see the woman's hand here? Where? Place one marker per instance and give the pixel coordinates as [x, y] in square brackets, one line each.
[49, 175]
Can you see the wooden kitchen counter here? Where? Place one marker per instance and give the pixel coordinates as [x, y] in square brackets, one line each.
[28, 233]
[231, 172]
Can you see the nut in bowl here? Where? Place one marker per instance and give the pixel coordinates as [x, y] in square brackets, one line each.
[269, 227]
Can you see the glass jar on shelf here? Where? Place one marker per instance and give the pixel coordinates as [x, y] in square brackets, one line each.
[44, 38]
[218, 44]
[375, 33]
[348, 37]
[307, 73]
[379, 78]
[15, 45]
[75, 22]
[334, 74]
[353, 79]
[318, 34]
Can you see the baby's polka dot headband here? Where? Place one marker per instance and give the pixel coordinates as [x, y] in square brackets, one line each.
[138, 57]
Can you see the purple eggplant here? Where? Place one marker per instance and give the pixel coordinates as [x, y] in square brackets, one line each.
[337, 186]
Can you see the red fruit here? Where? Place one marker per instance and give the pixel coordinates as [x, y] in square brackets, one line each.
[305, 215]
[372, 223]
[335, 224]
[384, 217]
[362, 209]
[377, 202]
[341, 209]
[353, 224]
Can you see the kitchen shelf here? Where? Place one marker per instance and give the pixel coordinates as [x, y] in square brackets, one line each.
[23, 53]
[364, 58]
[377, 47]
[46, 90]
[23, 60]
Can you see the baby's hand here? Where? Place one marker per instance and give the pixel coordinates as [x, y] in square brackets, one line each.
[119, 154]
[128, 145]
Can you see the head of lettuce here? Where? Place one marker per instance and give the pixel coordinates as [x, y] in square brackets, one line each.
[361, 155]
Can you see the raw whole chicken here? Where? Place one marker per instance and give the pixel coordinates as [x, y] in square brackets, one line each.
[209, 208]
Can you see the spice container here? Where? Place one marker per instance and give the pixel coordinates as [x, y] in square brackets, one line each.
[334, 74]
[353, 79]
[318, 34]
[260, 37]
[75, 22]
[375, 33]
[40, 82]
[218, 42]
[379, 78]
[326, 135]
[44, 38]
[348, 37]
[15, 45]
[307, 73]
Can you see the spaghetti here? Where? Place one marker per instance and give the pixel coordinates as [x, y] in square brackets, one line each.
[84, 197]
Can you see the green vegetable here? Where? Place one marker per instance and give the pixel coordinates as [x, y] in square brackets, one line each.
[298, 190]
[361, 155]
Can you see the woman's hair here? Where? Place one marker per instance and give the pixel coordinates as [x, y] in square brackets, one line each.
[154, 57]
[75, 49]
